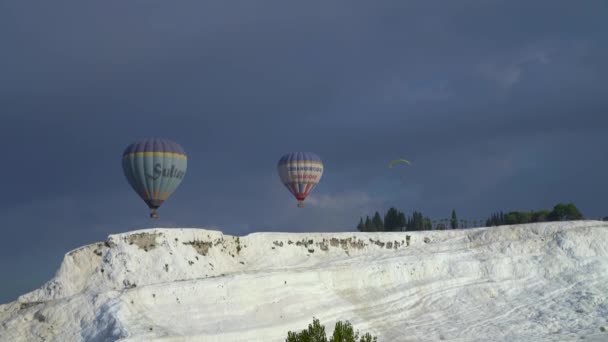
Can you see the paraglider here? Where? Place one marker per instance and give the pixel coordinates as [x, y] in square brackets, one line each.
[300, 172]
[397, 161]
[154, 168]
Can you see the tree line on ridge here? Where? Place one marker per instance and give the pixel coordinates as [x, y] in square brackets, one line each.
[395, 220]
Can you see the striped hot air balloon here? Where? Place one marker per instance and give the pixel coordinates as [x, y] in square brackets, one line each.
[154, 168]
[300, 172]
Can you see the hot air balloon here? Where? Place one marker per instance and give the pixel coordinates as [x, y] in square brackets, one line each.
[154, 168]
[300, 172]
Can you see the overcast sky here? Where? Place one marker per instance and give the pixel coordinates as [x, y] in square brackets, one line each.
[500, 105]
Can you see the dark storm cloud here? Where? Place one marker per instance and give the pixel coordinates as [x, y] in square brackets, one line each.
[499, 104]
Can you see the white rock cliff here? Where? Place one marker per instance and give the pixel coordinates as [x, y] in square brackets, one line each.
[536, 282]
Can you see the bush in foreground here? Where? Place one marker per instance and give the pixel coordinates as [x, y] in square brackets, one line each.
[343, 332]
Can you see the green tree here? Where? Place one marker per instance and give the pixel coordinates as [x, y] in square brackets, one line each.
[343, 332]
[391, 220]
[401, 221]
[497, 219]
[563, 212]
[558, 213]
[511, 218]
[428, 224]
[492, 221]
[367, 337]
[368, 225]
[454, 220]
[314, 333]
[572, 212]
[377, 222]
[412, 222]
[361, 225]
[417, 221]
[525, 217]
[540, 215]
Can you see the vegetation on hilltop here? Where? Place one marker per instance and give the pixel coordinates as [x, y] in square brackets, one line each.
[396, 221]
[343, 332]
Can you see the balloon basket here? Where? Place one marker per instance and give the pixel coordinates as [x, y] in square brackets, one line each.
[300, 204]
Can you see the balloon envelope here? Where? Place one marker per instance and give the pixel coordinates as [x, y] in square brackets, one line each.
[154, 168]
[300, 172]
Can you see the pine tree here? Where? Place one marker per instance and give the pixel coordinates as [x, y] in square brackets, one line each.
[417, 221]
[401, 221]
[391, 220]
[428, 225]
[454, 220]
[361, 225]
[413, 221]
[368, 225]
[410, 222]
[377, 222]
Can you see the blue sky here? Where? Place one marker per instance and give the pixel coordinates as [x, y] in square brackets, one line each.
[498, 104]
